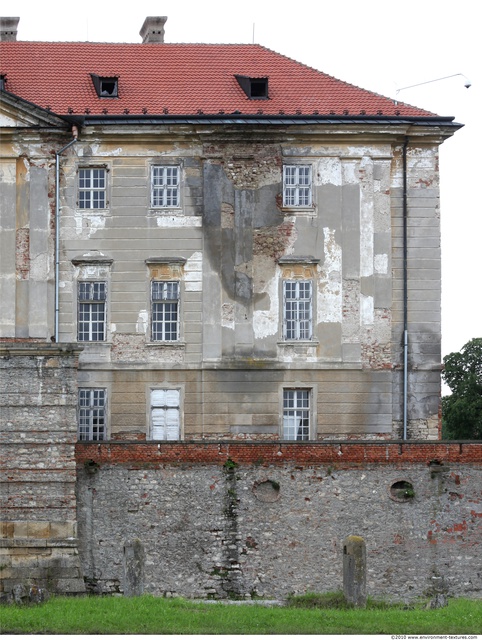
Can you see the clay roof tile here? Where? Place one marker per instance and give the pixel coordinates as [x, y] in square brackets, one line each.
[184, 79]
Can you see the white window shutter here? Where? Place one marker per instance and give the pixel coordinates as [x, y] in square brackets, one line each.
[158, 424]
[172, 424]
[165, 415]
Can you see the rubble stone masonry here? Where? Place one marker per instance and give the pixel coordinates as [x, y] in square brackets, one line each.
[252, 519]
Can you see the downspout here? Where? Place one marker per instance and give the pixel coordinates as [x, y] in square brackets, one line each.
[405, 292]
[75, 133]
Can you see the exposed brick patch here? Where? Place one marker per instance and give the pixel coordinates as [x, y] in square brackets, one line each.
[344, 454]
[273, 241]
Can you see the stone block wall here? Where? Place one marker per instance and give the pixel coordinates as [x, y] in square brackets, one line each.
[249, 519]
[38, 522]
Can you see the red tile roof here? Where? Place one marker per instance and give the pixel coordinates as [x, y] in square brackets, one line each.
[179, 79]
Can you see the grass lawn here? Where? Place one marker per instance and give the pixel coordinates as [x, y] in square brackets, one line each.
[149, 615]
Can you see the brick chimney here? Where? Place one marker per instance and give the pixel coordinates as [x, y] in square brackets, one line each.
[153, 29]
[8, 29]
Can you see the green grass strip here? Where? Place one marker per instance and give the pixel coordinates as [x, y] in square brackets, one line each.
[150, 615]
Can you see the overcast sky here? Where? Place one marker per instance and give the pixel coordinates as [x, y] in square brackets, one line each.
[375, 44]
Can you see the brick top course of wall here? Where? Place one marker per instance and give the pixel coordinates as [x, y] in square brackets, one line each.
[344, 454]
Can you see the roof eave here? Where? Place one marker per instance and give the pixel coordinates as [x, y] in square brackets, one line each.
[265, 119]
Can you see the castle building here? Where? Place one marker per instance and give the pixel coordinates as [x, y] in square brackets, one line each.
[206, 242]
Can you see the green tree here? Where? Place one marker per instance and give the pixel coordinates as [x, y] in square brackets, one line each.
[462, 411]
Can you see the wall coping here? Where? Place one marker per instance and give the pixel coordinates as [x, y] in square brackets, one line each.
[342, 453]
[25, 348]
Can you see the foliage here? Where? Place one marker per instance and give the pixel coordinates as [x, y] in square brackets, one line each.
[462, 411]
[229, 465]
[174, 616]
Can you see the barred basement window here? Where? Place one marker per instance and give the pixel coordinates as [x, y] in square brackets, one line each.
[91, 311]
[297, 183]
[297, 309]
[92, 188]
[165, 190]
[165, 414]
[296, 414]
[165, 310]
[92, 414]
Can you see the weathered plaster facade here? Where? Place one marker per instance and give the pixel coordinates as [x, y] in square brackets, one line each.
[238, 243]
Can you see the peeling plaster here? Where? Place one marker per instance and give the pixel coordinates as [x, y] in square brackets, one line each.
[86, 225]
[362, 151]
[142, 321]
[294, 353]
[173, 221]
[366, 217]
[350, 172]
[5, 121]
[328, 171]
[367, 310]
[329, 298]
[266, 322]
[381, 263]
[39, 267]
[27, 172]
[97, 271]
[7, 172]
[227, 315]
[193, 272]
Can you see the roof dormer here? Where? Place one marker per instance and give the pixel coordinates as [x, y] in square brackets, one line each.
[254, 88]
[106, 86]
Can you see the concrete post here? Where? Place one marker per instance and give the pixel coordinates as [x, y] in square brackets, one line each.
[354, 571]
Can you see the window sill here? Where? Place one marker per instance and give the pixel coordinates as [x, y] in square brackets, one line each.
[172, 344]
[306, 343]
[170, 211]
[308, 211]
[93, 212]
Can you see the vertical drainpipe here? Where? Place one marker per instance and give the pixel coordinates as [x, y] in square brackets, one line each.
[75, 133]
[405, 292]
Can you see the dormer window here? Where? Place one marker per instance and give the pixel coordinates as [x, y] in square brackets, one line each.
[105, 86]
[254, 88]
[3, 80]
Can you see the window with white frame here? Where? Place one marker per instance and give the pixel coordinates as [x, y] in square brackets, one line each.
[297, 184]
[92, 188]
[165, 190]
[92, 414]
[296, 414]
[91, 311]
[165, 310]
[165, 414]
[297, 309]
